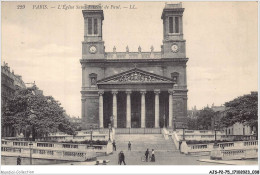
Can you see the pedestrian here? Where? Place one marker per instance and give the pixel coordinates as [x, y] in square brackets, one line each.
[153, 156]
[121, 158]
[19, 160]
[114, 145]
[146, 155]
[129, 146]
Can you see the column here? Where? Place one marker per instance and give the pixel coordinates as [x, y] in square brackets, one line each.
[114, 92]
[181, 26]
[143, 108]
[170, 108]
[100, 93]
[128, 108]
[156, 92]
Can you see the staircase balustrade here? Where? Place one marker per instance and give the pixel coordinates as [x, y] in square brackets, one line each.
[57, 151]
[138, 130]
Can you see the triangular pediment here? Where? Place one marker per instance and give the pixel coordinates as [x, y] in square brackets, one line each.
[135, 76]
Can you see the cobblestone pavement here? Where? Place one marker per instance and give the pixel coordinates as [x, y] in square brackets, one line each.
[162, 158]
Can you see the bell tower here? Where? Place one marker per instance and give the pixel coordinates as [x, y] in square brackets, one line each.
[93, 44]
[173, 42]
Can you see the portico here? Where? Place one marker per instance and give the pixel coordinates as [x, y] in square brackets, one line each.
[135, 102]
[134, 113]
[140, 111]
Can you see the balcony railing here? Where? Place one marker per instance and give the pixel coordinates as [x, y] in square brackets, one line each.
[179, 87]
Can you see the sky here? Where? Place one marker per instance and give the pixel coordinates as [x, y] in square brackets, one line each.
[44, 45]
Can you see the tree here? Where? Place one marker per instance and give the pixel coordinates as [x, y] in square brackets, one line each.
[192, 123]
[205, 117]
[242, 110]
[35, 114]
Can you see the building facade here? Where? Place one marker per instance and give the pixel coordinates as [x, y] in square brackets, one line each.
[76, 121]
[10, 82]
[134, 89]
[239, 129]
[193, 113]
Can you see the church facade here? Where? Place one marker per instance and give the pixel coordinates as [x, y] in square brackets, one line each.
[134, 89]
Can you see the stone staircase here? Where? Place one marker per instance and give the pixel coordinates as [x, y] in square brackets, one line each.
[142, 142]
[165, 150]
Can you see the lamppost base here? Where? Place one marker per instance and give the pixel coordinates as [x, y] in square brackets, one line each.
[184, 147]
[215, 154]
[215, 158]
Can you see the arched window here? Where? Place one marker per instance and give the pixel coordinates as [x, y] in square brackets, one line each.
[175, 77]
[93, 79]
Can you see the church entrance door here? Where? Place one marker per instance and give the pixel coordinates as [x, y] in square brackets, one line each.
[136, 123]
[136, 110]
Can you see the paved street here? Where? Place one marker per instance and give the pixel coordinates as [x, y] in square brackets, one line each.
[162, 158]
[26, 161]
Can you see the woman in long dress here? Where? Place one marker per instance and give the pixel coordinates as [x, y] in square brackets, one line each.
[153, 156]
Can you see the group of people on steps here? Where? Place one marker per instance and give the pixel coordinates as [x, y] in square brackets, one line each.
[121, 156]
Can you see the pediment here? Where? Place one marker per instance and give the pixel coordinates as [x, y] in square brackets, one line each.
[135, 76]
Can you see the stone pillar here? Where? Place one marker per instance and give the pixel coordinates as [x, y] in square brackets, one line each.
[128, 108]
[114, 92]
[83, 108]
[156, 123]
[180, 26]
[185, 106]
[83, 75]
[170, 108]
[101, 109]
[143, 108]
[185, 75]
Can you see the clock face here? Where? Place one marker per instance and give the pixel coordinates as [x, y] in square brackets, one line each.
[92, 49]
[175, 48]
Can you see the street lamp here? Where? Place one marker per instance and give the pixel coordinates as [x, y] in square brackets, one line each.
[183, 127]
[215, 142]
[215, 154]
[174, 124]
[32, 117]
[91, 131]
[183, 140]
[30, 146]
[164, 120]
[109, 128]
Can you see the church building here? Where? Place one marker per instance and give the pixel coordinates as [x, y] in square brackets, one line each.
[134, 89]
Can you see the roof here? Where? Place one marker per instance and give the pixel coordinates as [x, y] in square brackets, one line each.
[218, 108]
[134, 76]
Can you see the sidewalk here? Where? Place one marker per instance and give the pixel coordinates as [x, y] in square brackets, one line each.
[231, 162]
[87, 163]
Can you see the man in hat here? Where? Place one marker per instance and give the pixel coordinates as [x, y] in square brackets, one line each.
[121, 158]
